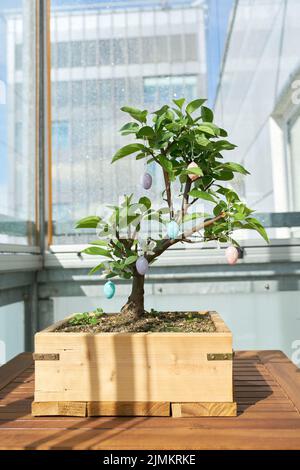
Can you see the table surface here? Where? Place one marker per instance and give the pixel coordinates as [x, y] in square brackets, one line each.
[266, 386]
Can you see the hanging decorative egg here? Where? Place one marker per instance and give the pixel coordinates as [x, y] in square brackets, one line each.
[109, 289]
[173, 229]
[142, 265]
[192, 176]
[146, 181]
[232, 254]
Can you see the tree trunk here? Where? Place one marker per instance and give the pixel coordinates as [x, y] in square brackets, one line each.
[135, 302]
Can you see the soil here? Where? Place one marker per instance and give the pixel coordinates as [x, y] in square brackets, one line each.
[192, 322]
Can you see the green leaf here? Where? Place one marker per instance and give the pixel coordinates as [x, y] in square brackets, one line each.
[208, 130]
[207, 114]
[131, 259]
[231, 196]
[223, 175]
[173, 127]
[258, 227]
[179, 102]
[96, 268]
[220, 207]
[129, 128]
[239, 216]
[95, 250]
[193, 105]
[161, 110]
[137, 114]
[235, 167]
[140, 156]
[224, 145]
[202, 195]
[146, 132]
[223, 133]
[145, 201]
[91, 221]
[202, 140]
[165, 163]
[99, 242]
[127, 150]
[194, 171]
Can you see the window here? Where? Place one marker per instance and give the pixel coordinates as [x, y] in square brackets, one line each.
[17, 122]
[117, 62]
[294, 140]
[159, 90]
[132, 50]
[60, 134]
[254, 102]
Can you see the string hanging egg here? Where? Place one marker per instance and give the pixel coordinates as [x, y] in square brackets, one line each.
[232, 254]
[192, 176]
[142, 265]
[109, 289]
[146, 181]
[172, 230]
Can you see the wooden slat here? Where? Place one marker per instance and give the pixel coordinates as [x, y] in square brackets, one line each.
[179, 438]
[288, 377]
[59, 408]
[97, 408]
[189, 410]
[272, 356]
[45, 357]
[10, 370]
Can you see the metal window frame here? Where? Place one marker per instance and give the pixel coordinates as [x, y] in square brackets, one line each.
[19, 264]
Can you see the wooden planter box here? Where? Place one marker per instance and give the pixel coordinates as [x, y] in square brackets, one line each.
[134, 374]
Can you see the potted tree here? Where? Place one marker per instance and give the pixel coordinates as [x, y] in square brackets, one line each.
[152, 363]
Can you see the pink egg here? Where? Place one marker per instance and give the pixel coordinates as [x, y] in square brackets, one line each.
[191, 175]
[232, 254]
[146, 181]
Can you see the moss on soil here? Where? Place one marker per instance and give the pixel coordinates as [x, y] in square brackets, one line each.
[98, 322]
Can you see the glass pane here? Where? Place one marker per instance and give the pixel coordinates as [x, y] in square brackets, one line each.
[11, 331]
[295, 162]
[255, 96]
[107, 54]
[17, 121]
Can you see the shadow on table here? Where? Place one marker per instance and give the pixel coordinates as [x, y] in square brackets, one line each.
[250, 384]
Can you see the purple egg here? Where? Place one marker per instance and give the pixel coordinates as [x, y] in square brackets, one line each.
[142, 265]
[146, 181]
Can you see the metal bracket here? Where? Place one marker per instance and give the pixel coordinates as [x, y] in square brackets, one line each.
[45, 357]
[220, 357]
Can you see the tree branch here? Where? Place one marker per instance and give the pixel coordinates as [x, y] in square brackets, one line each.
[167, 242]
[168, 192]
[205, 224]
[185, 199]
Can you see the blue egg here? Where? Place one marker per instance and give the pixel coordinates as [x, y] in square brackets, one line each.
[109, 289]
[173, 229]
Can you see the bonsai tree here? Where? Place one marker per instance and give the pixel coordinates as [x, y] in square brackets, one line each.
[187, 145]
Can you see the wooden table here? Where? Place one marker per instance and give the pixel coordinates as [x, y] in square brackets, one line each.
[267, 389]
